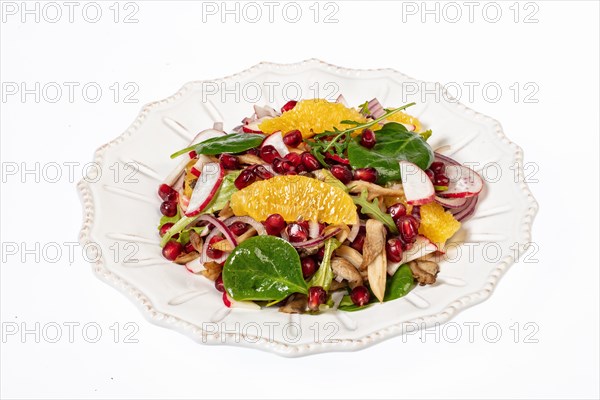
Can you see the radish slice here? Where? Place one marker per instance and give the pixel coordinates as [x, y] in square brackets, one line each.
[410, 127]
[421, 247]
[355, 229]
[195, 266]
[205, 135]
[276, 140]
[451, 203]
[417, 185]
[247, 304]
[218, 126]
[464, 182]
[265, 111]
[206, 188]
[251, 126]
[184, 201]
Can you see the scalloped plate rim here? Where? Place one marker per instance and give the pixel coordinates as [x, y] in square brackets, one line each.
[195, 332]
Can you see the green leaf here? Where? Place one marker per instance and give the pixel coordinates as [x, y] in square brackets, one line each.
[400, 284]
[184, 235]
[324, 274]
[347, 305]
[263, 268]
[327, 177]
[232, 143]
[394, 143]
[426, 135]
[177, 228]
[364, 108]
[372, 209]
[164, 219]
[349, 122]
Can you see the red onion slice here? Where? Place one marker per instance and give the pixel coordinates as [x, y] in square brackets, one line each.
[230, 237]
[204, 256]
[316, 241]
[445, 159]
[468, 210]
[260, 229]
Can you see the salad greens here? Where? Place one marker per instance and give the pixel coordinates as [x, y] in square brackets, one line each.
[372, 209]
[226, 189]
[394, 143]
[263, 268]
[337, 141]
[400, 284]
[324, 274]
[232, 143]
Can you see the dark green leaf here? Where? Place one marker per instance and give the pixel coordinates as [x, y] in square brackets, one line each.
[263, 268]
[394, 143]
[349, 122]
[372, 209]
[400, 284]
[232, 143]
[324, 274]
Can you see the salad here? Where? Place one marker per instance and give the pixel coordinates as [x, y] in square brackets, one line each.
[318, 206]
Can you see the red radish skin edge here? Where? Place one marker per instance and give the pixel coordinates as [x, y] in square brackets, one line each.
[211, 195]
[417, 187]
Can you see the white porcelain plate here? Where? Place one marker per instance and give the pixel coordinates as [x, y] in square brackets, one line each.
[123, 213]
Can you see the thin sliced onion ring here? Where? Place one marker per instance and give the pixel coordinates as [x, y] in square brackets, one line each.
[260, 229]
[316, 241]
[230, 237]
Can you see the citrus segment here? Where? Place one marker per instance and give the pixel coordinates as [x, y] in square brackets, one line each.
[295, 197]
[437, 224]
[311, 117]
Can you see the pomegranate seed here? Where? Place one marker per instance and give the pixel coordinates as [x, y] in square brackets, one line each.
[229, 162]
[366, 174]
[310, 162]
[430, 174]
[171, 250]
[226, 300]
[292, 172]
[309, 267]
[300, 168]
[416, 213]
[294, 158]
[337, 159]
[168, 208]
[358, 242]
[396, 211]
[167, 193]
[441, 180]
[292, 138]
[274, 224]
[367, 139]
[189, 248]
[165, 228]
[219, 284]
[254, 151]
[246, 178]
[342, 173]
[282, 166]
[408, 227]
[193, 154]
[268, 153]
[296, 232]
[261, 172]
[238, 228]
[316, 296]
[437, 167]
[289, 105]
[360, 296]
[393, 249]
[212, 253]
[320, 254]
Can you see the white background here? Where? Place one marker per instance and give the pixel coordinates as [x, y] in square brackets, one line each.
[170, 45]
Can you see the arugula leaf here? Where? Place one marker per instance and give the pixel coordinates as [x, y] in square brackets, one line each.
[324, 275]
[400, 284]
[426, 135]
[327, 177]
[349, 122]
[373, 210]
[394, 143]
[364, 108]
[232, 143]
[184, 235]
[263, 268]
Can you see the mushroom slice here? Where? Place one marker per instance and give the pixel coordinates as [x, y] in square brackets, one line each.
[425, 272]
[250, 159]
[342, 268]
[335, 285]
[374, 241]
[212, 271]
[196, 241]
[222, 245]
[377, 272]
[350, 254]
[187, 257]
[373, 189]
[246, 235]
[295, 304]
[226, 212]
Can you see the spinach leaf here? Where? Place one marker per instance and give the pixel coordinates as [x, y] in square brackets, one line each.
[348, 305]
[232, 143]
[324, 275]
[394, 143]
[263, 268]
[401, 283]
